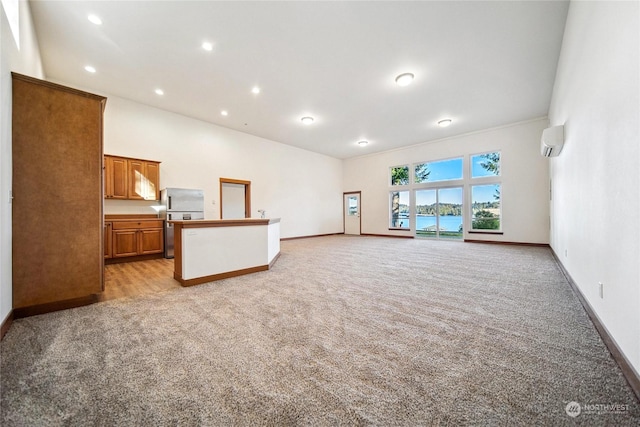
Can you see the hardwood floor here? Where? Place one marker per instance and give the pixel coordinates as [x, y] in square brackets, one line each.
[137, 278]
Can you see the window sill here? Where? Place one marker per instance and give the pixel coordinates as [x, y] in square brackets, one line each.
[485, 232]
[399, 229]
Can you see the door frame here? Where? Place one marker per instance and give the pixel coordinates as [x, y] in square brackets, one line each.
[359, 193]
[247, 194]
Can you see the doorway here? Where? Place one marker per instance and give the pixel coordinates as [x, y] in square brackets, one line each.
[439, 213]
[235, 198]
[352, 212]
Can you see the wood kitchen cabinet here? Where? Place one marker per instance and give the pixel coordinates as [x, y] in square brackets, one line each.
[137, 237]
[125, 243]
[153, 180]
[144, 179]
[151, 241]
[131, 179]
[108, 239]
[115, 177]
[57, 188]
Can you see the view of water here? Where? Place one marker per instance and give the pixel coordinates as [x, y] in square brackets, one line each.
[447, 223]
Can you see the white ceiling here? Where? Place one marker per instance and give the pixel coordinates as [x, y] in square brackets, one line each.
[482, 64]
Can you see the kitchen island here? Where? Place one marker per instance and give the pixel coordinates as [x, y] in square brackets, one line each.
[208, 250]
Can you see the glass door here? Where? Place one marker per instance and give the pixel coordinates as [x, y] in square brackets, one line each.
[450, 213]
[426, 213]
[439, 213]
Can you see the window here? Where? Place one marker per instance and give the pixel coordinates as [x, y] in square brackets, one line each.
[400, 175]
[486, 201]
[352, 206]
[441, 170]
[487, 164]
[399, 202]
[485, 207]
[431, 197]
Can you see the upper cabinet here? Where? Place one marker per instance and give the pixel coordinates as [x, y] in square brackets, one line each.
[144, 179]
[152, 172]
[131, 179]
[115, 177]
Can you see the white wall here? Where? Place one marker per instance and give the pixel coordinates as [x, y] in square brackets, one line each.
[525, 185]
[595, 180]
[302, 188]
[25, 60]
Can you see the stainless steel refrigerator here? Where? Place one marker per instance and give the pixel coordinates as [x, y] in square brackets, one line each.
[179, 204]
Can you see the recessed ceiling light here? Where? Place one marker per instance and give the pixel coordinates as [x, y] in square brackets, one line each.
[363, 143]
[90, 69]
[94, 19]
[307, 120]
[255, 90]
[404, 79]
[207, 46]
[159, 92]
[224, 112]
[444, 123]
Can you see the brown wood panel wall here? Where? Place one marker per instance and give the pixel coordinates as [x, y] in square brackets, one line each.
[57, 193]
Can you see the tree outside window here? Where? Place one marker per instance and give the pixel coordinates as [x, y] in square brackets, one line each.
[400, 175]
[487, 164]
[399, 209]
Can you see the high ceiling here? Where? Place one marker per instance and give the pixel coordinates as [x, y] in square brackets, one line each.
[481, 64]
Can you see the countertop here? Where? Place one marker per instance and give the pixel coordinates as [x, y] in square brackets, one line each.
[202, 223]
[131, 217]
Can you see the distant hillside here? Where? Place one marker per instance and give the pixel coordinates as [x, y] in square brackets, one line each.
[452, 209]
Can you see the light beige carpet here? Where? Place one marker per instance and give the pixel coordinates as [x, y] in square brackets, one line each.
[342, 331]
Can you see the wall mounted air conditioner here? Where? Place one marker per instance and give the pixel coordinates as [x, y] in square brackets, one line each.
[552, 141]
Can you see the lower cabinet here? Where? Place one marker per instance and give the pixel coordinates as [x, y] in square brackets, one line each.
[108, 239]
[151, 241]
[125, 243]
[133, 238]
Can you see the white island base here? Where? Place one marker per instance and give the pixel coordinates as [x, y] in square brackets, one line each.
[218, 249]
